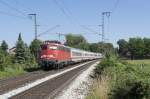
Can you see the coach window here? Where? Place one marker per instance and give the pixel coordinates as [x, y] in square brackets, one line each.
[76, 53]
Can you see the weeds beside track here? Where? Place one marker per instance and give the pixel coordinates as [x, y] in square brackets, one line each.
[119, 79]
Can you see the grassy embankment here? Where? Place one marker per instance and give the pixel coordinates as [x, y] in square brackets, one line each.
[17, 69]
[10, 72]
[119, 79]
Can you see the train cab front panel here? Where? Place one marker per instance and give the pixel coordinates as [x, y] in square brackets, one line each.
[48, 54]
[54, 54]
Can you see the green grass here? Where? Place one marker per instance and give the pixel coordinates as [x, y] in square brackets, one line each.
[145, 61]
[141, 66]
[11, 72]
[16, 70]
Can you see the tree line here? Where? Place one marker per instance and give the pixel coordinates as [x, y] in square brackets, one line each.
[78, 41]
[24, 56]
[134, 48]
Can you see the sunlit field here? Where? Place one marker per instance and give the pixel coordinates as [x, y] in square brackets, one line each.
[145, 61]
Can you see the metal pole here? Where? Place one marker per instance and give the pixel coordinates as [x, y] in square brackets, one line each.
[35, 24]
[103, 27]
[59, 36]
[103, 24]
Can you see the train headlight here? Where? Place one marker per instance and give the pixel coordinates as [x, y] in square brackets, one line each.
[53, 47]
[50, 56]
[43, 56]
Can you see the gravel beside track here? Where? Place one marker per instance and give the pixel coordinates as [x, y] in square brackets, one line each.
[52, 87]
[80, 87]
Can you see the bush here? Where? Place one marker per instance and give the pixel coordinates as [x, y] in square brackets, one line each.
[10, 72]
[127, 81]
[132, 90]
[109, 61]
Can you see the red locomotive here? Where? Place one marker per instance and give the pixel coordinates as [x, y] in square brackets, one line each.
[53, 54]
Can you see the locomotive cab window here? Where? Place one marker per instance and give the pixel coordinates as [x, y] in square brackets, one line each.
[44, 47]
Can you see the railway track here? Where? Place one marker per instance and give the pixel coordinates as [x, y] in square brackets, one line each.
[46, 89]
[18, 81]
[11, 83]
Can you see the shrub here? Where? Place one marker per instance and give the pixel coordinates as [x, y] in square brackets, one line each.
[127, 81]
[132, 90]
[109, 61]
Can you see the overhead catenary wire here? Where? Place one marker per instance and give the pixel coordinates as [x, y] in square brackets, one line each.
[27, 9]
[89, 29]
[50, 29]
[74, 19]
[70, 16]
[22, 5]
[63, 11]
[22, 15]
[67, 13]
[11, 15]
[66, 9]
[115, 6]
[13, 8]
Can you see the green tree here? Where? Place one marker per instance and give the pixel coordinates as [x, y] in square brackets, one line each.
[84, 46]
[4, 46]
[94, 47]
[77, 41]
[136, 48]
[35, 47]
[123, 47]
[101, 47]
[108, 47]
[28, 56]
[147, 47]
[20, 56]
[2, 59]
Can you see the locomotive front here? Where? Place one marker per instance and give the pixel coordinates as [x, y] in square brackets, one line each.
[48, 55]
[54, 55]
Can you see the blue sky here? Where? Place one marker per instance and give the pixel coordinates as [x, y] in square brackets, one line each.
[131, 18]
